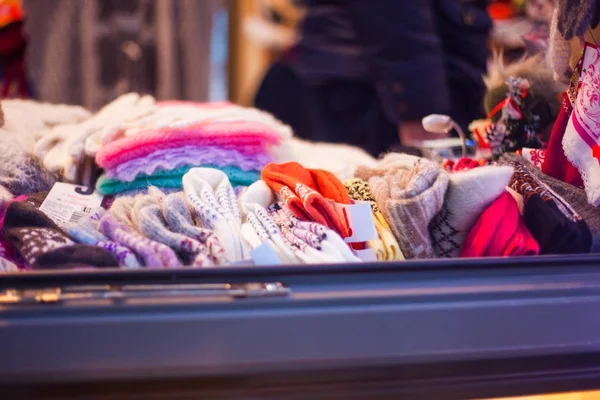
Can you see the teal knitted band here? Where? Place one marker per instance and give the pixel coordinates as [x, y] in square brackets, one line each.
[171, 179]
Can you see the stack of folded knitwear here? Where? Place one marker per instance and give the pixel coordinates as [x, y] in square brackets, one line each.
[157, 150]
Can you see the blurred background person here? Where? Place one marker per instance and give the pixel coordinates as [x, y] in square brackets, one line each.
[366, 72]
[88, 52]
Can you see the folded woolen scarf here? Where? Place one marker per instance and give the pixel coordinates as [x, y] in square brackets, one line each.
[171, 179]
[247, 137]
[170, 159]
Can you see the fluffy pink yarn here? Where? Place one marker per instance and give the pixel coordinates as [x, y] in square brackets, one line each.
[247, 137]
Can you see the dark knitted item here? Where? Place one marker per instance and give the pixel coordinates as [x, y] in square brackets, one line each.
[43, 245]
[575, 16]
[576, 198]
[552, 221]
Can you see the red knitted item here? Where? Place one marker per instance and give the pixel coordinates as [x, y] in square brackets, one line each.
[298, 189]
[556, 163]
[330, 186]
[500, 231]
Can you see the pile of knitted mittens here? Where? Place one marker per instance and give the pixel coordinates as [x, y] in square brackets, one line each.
[294, 241]
[153, 230]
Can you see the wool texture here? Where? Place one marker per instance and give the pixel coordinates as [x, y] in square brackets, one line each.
[63, 148]
[386, 246]
[553, 223]
[211, 197]
[340, 159]
[300, 191]
[573, 205]
[179, 219]
[312, 243]
[20, 172]
[582, 133]
[260, 226]
[153, 254]
[43, 245]
[469, 194]
[170, 179]
[410, 191]
[500, 231]
[574, 17]
[559, 51]
[85, 231]
[171, 159]
[148, 219]
[249, 137]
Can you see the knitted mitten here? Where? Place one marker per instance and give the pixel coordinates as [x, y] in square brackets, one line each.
[147, 218]
[179, 219]
[42, 244]
[299, 190]
[211, 197]
[154, 254]
[85, 231]
[469, 194]
[312, 242]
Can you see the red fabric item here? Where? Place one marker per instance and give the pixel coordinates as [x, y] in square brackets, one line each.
[330, 186]
[500, 231]
[275, 177]
[556, 163]
[298, 190]
[465, 164]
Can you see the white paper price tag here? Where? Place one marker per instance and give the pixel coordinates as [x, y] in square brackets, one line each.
[69, 203]
[265, 255]
[366, 255]
[359, 217]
